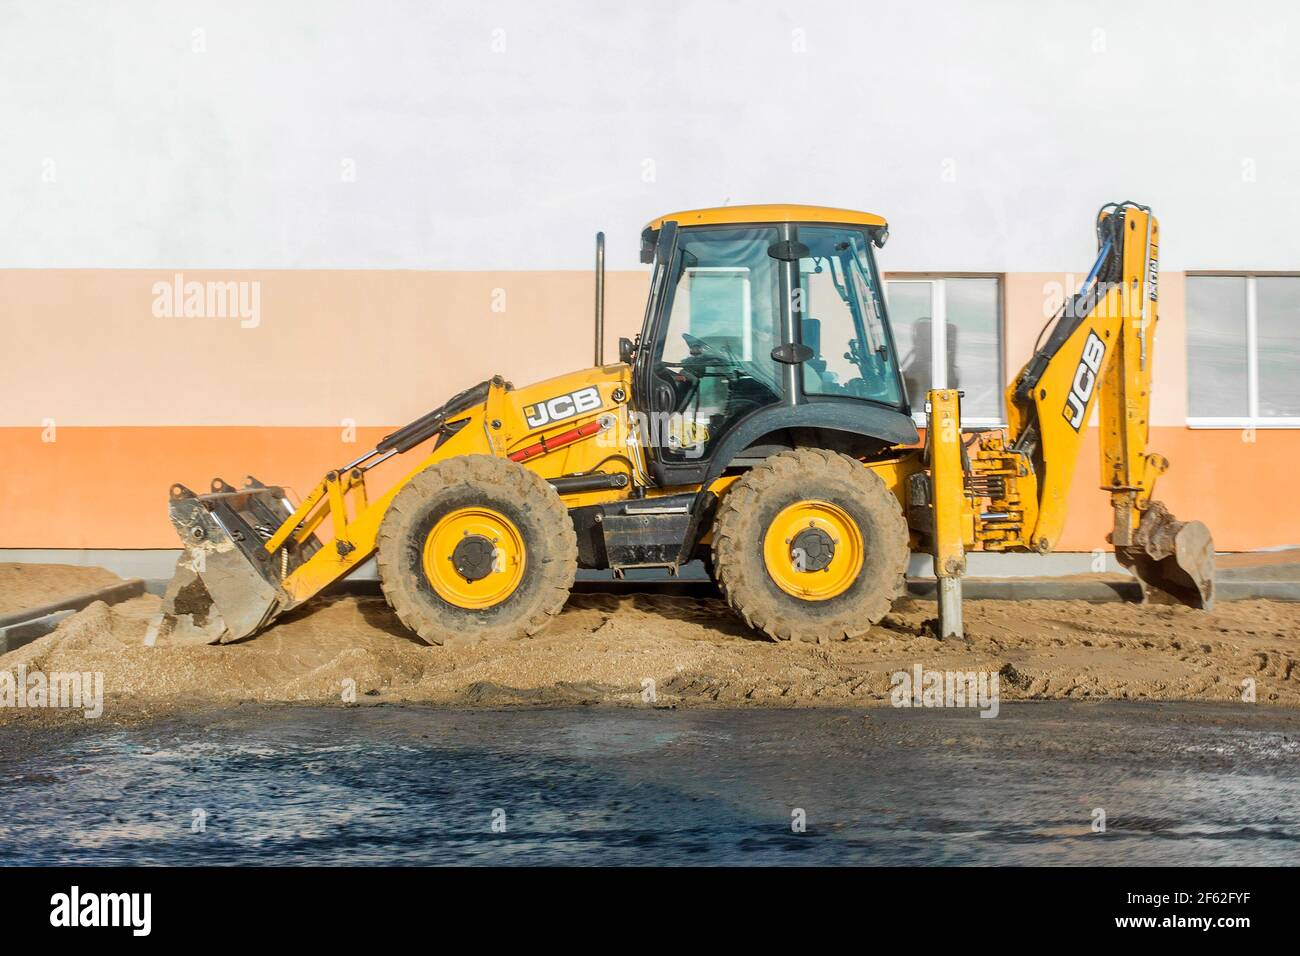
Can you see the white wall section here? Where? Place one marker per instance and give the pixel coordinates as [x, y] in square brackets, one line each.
[351, 134]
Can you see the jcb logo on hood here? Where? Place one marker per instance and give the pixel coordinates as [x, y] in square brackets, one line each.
[561, 407]
[1085, 380]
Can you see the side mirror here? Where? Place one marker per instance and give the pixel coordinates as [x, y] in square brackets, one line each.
[626, 350]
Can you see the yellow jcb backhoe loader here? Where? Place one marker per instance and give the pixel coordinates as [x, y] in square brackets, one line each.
[758, 422]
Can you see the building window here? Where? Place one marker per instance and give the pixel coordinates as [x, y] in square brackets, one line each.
[1243, 351]
[949, 335]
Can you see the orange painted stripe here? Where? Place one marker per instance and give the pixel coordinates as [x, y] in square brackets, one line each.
[1243, 490]
[107, 487]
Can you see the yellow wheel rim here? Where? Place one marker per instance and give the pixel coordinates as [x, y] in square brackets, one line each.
[797, 545]
[474, 557]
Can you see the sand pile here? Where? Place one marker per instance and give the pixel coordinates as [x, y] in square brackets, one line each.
[607, 649]
[24, 586]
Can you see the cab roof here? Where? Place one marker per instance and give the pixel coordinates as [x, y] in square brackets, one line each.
[766, 212]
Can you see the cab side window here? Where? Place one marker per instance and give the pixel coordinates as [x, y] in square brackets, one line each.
[843, 319]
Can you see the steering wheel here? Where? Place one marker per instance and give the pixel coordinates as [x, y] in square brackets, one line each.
[704, 353]
[678, 383]
[707, 359]
[674, 387]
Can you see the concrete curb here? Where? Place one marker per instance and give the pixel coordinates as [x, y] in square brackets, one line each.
[973, 589]
[23, 627]
[1019, 589]
[1032, 589]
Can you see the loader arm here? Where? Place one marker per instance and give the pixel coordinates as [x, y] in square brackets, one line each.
[250, 555]
[1098, 352]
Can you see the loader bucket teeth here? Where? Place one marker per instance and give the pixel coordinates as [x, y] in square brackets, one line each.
[1174, 560]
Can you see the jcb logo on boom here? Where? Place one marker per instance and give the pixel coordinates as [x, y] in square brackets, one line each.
[1085, 380]
[561, 407]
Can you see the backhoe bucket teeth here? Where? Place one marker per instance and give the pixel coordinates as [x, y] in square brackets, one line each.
[1173, 559]
[226, 586]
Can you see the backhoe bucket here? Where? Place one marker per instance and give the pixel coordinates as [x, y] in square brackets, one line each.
[1173, 559]
[226, 586]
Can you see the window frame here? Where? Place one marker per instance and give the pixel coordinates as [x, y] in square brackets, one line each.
[1252, 419]
[747, 301]
[939, 336]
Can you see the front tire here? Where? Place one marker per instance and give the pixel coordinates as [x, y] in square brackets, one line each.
[476, 548]
[810, 545]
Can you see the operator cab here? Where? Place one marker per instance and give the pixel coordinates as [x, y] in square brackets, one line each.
[762, 322]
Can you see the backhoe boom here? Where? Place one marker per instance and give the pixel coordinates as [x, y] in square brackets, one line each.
[1098, 353]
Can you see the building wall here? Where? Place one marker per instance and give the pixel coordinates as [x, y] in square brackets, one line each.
[369, 166]
[111, 403]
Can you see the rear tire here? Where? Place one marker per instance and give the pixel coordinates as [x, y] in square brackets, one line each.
[520, 549]
[851, 537]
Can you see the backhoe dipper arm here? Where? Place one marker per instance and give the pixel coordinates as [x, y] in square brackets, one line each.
[1100, 351]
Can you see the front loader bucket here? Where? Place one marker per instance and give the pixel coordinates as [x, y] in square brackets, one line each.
[226, 586]
[1173, 559]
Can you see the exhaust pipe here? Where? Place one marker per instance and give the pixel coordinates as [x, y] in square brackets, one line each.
[600, 299]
